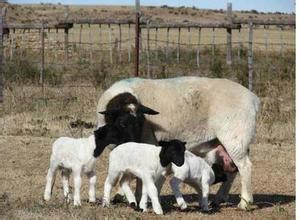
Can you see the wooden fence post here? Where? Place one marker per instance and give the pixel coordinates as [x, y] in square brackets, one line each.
[178, 46]
[42, 69]
[129, 43]
[80, 35]
[12, 43]
[156, 43]
[281, 40]
[167, 44]
[66, 45]
[119, 43]
[213, 43]
[198, 48]
[1, 55]
[110, 44]
[250, 55]
[189, 37]
[148, 49]
[239, 45]
[229, 34]
[266, 35]
[66, 36]
[90, 43]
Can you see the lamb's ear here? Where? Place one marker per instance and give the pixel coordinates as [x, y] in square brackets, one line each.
[146, 110]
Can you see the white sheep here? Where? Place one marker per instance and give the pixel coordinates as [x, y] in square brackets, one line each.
[197, 110]
[145, 161]
[75, 155]
[196, 173]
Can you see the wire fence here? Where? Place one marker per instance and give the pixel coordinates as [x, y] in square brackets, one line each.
[169, 50]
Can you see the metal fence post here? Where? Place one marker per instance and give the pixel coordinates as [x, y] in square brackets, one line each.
[2, 16]
[42, 69]
[229, 34]
[250, 54]
[137, 32]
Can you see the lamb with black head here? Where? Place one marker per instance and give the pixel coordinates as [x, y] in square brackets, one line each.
[145, 161]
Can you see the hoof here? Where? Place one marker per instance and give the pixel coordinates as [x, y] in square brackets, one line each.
[133, 205]
[118, 199]
[77, 204]
[105, 204]
[246, 206]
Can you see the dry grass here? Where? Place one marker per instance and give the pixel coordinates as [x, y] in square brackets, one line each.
[30, 121]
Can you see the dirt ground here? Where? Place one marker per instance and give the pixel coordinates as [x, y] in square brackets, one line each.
[30, 121]
[25, 161]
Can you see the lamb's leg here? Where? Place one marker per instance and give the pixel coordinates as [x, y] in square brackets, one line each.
[124, 184]
[51, 173]
[197, 186]
[77, 186]
[109, 182]
[92, 186]
[175, 182]
[143, 201]
[153, 194]
[159, 183]
[138, 191]
[65, 175]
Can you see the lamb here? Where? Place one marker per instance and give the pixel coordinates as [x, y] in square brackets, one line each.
[145, 161]
[79, 155]
[75, 155]
[196, 173]
[197, 110]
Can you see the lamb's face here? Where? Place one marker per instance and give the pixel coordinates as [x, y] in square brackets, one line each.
[172, 152]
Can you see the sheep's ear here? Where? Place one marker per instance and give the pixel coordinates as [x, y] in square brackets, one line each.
[110, 112]
[163, 143]
[146, 110]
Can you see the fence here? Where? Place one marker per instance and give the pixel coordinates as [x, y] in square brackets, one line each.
[111, 42]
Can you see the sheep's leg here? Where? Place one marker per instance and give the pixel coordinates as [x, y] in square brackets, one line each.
[143, 201]
[244, 167]
[109, 182]
[175, 182]
[65, 175]
[92, 186]
[205, 193]
[153, 194]
[238, 151]
[51, 173]
[222, 193]
[77, 186]
[124, 184]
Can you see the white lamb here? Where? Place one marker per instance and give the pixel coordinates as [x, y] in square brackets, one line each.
[199, 175]
[145, 161]
[75, 155]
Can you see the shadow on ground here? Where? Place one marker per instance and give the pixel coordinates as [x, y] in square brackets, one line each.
[261, 201]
